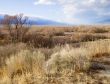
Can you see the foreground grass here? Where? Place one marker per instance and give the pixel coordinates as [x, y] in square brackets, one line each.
[66, 65]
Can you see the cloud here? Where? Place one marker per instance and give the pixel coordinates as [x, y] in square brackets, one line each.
[44, 2]
[73, 9]
[77, 6]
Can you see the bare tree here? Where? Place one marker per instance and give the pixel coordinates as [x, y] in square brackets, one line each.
[17, 26]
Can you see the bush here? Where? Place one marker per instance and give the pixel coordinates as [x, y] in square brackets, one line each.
[75, 59]
[25, 61]
[100, 30]
[59, 34]
[38, 41]
[89, 37]
[7, 50]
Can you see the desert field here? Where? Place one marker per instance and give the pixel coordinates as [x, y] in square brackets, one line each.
[56, 55]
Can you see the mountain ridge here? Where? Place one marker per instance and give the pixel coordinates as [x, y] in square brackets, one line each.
[39, 21]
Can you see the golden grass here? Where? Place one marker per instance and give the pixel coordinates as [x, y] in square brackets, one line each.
[67, 65]
[7, 50]
[49, 36]
[79, 28]
[59, 64]
[98, 48]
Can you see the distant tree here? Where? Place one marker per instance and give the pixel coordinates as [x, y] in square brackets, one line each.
[17, 26]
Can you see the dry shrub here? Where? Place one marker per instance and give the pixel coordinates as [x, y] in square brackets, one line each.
[20, 68]
[36, 40]
[84, 37]
[100, 30]
[7, 50]
[89, 37]
[76, 59]
[2, 36]
[59, 34]
[25, 61]
[61, 40]
[4, 39]
[48, 41]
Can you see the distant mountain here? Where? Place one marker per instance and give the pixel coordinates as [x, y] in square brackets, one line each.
[105, 21]
[40, 21]
[1, 16]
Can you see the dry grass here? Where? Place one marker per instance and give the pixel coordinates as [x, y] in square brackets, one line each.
[30, 67]
[49, 61]
[25, 64]
[38, 36]
[67, 65]
[7, 50]
[98, 48]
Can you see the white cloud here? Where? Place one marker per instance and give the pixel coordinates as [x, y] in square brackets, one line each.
[72, 8]
[44, 2]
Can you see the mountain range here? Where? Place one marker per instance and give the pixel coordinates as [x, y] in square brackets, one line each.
[40, 21]
[105, 21]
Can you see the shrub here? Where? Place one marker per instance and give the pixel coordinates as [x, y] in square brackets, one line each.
[76, 59]
[36, 40]
[7, 50]
[25, 62]
[100, 30]
[89, 37]
[59, 34]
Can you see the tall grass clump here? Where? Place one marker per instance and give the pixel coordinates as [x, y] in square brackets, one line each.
[25, 63]
[98, 48]
[7, 50]
[76, 59]
[100, 30]
[69, 66]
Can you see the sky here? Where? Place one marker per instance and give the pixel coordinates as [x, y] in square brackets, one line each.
[68, 11]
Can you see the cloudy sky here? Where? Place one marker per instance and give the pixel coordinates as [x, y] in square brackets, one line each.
[70, 11]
